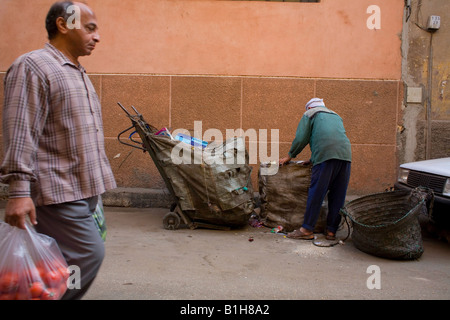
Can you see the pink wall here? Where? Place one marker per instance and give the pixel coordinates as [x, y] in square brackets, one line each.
[237, 64]
[326, 39]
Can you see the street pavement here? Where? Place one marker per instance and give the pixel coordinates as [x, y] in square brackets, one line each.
[144, 261]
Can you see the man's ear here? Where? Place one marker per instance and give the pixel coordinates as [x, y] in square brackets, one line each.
[61, 25]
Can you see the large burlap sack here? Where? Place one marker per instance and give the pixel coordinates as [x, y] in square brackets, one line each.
[212, 185]
[283, 197]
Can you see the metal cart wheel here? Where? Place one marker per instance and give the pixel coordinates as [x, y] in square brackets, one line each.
[171, 221]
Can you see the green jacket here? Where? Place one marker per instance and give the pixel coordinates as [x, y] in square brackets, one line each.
[324, 131]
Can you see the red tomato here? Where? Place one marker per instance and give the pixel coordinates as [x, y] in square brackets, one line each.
[52, 278]
[65, 273]
[36, 289]
[40, 271]
[9, 282]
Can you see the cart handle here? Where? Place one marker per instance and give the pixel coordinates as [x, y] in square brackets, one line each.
[129, 144]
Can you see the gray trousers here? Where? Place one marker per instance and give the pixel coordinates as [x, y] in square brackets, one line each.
[72, 226]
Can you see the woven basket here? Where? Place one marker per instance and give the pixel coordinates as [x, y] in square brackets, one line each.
[386, 224]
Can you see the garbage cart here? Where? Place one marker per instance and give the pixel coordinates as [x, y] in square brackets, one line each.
[210, 182]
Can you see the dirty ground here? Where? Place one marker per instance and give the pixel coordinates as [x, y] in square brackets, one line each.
[146, 262]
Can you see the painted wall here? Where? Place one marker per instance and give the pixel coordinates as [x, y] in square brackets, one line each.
[327, 39]
[238, 64]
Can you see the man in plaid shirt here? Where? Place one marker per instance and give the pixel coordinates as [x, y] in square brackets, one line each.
[54, 158]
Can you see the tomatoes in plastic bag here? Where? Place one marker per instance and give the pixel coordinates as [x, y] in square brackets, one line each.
[31, 265]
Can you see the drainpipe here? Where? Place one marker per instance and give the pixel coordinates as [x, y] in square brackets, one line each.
[429, 93]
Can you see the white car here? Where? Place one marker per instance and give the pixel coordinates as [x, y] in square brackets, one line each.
[435, 175]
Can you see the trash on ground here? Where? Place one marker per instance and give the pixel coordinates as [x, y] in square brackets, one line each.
[277, 229]
[254, 221]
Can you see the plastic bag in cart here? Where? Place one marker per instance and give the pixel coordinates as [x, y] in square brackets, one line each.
[32, 266]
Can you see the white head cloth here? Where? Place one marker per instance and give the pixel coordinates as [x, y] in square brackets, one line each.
[315, 102]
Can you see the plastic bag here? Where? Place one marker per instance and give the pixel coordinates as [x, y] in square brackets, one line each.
[99, 218]
[32, 266]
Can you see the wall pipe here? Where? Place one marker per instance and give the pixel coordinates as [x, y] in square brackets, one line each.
[429, 93]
